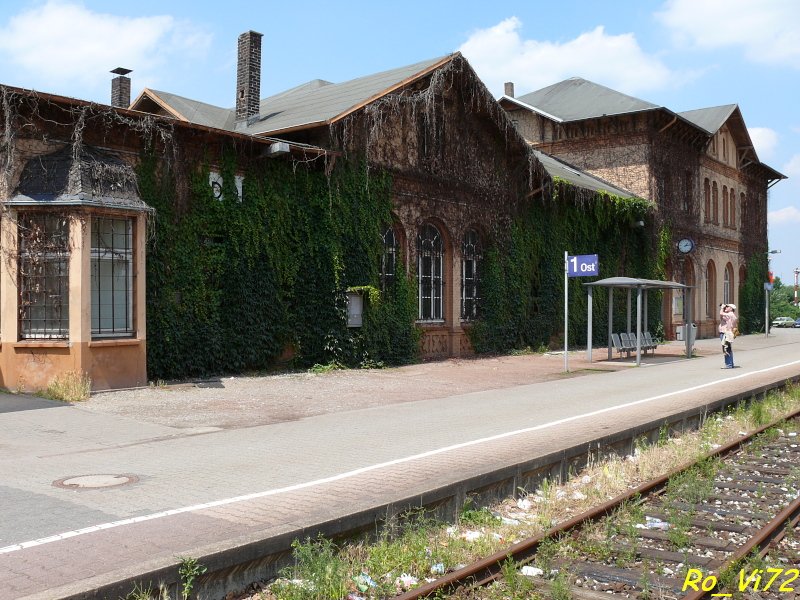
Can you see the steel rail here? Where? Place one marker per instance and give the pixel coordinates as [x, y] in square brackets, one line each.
[771, 533]
[489, 569]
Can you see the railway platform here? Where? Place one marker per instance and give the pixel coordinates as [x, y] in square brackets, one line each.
[229, 471]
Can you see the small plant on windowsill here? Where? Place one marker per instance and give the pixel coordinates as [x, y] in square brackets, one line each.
[71, 386]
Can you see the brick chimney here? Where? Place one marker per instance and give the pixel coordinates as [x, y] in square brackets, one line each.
[121, 88]
[248, 75]
[509, 89]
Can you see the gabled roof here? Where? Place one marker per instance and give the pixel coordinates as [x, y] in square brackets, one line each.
[311, 104]
[189, 110]
[576, 99]
[710, 119]
[559, 168]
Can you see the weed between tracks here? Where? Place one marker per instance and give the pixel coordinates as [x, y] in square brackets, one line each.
[420, 549]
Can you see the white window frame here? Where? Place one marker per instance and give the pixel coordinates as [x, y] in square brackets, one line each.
[112, 290]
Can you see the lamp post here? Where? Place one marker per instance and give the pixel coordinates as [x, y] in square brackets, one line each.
[796, 273]
[767, 288]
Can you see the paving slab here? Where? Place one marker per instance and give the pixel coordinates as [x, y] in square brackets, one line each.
[222, 466]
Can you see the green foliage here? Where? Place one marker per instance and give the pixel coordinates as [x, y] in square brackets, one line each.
[751, 296]
[233, 284]
[477, 517]
[523, 281]
[319, 571]
[781, 301]
[189, 570]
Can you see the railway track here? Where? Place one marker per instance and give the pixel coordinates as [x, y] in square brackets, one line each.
[724, 525]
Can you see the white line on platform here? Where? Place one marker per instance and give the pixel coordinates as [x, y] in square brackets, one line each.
[362, 470]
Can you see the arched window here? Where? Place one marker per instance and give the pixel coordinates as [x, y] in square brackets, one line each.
[430, 256]
[725, 205]
[471, 259]
[707, 200]
[734, 223]
[388, 266]
[711, 289]
[715, 202]
[724, 149]
[727, 285]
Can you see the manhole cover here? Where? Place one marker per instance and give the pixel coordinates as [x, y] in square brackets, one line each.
[93, 482]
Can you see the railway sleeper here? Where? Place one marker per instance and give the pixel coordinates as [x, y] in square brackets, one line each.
[608, 575]
[700, 542]
[692, 560]
[723, 512]
[706, 524]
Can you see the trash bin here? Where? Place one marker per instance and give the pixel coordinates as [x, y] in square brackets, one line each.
[679, 333]
[692, 334]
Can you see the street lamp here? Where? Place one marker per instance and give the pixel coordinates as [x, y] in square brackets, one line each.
[796, 273]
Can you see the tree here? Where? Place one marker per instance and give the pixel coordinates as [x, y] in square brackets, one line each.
[780, 301]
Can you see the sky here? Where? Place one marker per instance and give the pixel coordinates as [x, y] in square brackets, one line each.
[681, 54]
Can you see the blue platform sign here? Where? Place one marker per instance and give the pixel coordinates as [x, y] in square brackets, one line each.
[583, 265]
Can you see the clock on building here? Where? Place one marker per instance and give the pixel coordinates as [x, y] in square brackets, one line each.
[685, 245]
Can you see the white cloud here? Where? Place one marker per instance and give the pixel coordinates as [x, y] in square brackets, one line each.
[62, 42]
[792, 168]
[784, 216]
[765, 141]
[500, 54]
[765, 31]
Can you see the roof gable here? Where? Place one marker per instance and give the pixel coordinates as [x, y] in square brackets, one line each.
[576, 99]
[710, 119]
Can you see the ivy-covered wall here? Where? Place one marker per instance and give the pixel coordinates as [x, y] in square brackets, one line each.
[523, 284]
[751, 295]
[232, 284]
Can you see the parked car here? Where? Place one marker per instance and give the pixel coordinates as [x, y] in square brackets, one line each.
[783, 322]
[797, 322]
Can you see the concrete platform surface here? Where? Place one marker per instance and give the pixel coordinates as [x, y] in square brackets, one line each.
[98, 492]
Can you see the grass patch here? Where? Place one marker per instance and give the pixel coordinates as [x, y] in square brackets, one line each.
[71, 386]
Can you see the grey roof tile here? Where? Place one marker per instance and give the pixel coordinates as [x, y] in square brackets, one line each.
[575, 99]
[710, 119]
[315, 102]
[559, 168]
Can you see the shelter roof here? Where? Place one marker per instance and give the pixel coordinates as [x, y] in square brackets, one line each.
[633, 283]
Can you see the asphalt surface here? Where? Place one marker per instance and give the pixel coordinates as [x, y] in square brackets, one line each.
[129, 480]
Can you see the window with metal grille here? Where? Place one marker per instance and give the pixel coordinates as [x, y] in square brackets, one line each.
[429, 273]
[43, 276]
[471, 258]
[112, 277]
[388, 264]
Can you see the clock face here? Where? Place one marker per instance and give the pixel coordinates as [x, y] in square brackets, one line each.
[685, 245]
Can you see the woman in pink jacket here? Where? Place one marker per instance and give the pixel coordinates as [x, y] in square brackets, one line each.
[727, 323]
